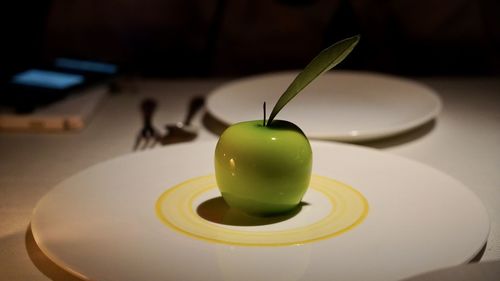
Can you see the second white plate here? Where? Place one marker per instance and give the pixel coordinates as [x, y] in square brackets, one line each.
[339, 105]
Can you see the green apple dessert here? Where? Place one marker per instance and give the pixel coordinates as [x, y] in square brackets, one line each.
[263, 167]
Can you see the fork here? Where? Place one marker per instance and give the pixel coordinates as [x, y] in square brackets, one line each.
[148, 136]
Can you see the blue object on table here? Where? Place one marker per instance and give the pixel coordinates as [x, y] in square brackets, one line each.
[84, 65]
[47, 79]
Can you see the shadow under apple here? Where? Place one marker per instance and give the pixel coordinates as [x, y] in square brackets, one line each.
[218, 211]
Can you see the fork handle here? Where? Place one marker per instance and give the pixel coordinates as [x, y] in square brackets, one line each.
[148, 108]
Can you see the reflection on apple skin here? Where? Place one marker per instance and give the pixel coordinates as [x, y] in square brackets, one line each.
[263, 170]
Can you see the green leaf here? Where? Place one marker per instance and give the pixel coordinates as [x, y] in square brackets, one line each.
[324, 61]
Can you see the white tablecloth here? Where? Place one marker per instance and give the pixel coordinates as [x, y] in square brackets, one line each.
[463, 142]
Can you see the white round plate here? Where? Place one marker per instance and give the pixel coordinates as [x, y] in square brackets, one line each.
[339, 105]
[102, 223]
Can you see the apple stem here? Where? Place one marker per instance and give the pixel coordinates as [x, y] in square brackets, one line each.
[264, 108]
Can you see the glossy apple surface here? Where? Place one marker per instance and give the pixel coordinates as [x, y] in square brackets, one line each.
[263, 170]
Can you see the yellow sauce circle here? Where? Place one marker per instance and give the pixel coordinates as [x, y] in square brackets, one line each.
[176, 209]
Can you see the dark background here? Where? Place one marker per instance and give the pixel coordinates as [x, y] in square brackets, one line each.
[232, 38]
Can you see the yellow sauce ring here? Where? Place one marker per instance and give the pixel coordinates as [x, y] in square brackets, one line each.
[175, 208]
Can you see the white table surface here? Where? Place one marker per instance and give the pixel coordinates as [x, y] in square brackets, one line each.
[463, 142]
